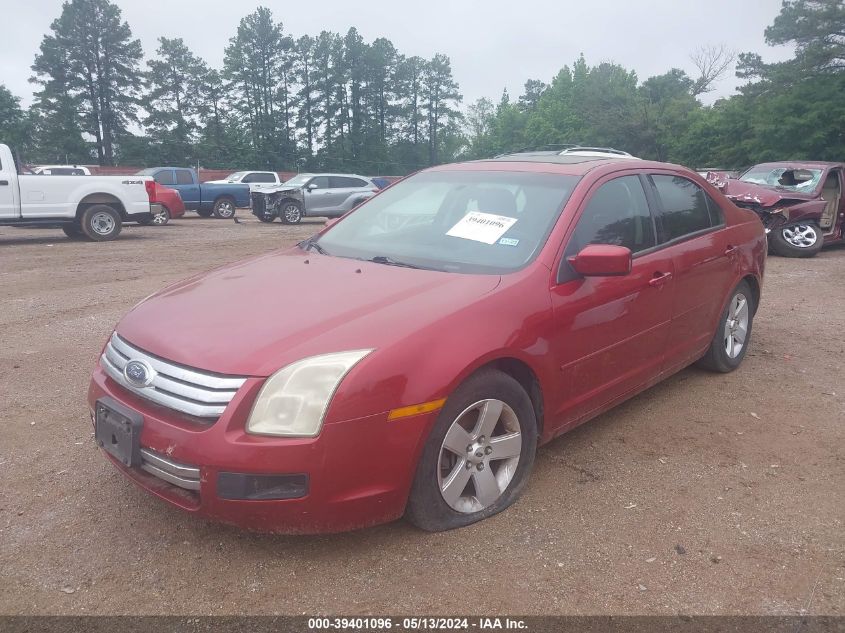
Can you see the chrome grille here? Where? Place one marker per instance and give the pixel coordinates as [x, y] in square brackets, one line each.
[190, 391]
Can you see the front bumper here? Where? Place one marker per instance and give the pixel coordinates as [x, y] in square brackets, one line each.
[358, 472]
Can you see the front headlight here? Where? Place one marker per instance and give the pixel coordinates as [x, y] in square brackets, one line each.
[294, 400]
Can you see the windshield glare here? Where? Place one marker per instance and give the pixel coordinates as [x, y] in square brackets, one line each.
[297, 181]
[458, 221]
[804, 180]
[236, 176]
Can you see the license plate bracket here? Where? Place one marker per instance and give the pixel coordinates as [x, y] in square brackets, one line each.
[117, 430]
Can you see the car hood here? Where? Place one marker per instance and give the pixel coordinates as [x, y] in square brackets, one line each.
[253, 317]
[748, 192]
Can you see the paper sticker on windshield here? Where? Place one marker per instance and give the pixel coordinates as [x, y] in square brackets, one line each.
[482, 227]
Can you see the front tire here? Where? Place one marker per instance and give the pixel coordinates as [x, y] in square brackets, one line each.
[224, 208]
[101, 223]
[160, 219]
[478, 456]
[291, 212]
[733, 334]
[796, 240]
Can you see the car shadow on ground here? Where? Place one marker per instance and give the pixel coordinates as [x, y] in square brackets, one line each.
[59, 239]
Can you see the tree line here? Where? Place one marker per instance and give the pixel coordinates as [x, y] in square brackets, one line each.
[336, 102]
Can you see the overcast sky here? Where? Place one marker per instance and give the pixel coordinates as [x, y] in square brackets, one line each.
[493, 44]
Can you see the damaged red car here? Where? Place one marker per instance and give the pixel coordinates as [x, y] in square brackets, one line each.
[800, 203]
[409, 359]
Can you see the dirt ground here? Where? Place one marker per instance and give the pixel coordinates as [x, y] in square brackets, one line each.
[708, 494]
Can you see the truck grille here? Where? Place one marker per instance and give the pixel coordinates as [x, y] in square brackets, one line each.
[183, 389]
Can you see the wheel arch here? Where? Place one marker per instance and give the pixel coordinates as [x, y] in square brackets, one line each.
[524, 374]
[756, 290]
[100, 198]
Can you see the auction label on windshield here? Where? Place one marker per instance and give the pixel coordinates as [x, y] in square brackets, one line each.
[482, 227]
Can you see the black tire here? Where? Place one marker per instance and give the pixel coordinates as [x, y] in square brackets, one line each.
[224, 208]
[73, 231]
[290, 212]
[804, 239]
[267, 219]
[717, 358]
[100, 223]
[427, 508]
[204, 213]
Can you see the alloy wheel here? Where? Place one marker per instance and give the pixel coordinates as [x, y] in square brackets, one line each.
[736, 325]
[801, 235]
[479, 456]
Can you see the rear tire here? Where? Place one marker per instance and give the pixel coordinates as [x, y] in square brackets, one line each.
[734, 328]
[73, 231]
[484, 466]
[797, 240]
[100, 223]
[224, 208]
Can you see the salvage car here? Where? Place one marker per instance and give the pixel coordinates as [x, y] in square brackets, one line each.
[310, 195]
[800, 203]
[256, 180]
[422, 365]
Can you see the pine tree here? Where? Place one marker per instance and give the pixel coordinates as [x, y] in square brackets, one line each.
[92, 56]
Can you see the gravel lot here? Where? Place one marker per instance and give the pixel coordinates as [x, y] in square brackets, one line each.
[708, 494]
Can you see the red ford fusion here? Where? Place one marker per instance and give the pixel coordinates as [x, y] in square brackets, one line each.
[408, 360]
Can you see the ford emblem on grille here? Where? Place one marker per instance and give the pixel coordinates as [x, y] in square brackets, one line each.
[139, 373]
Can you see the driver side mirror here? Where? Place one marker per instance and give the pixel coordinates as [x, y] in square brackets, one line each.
[312, 186]
[602, 260]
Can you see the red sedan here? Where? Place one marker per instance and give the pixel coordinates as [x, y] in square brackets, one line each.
[167, 204]
[409, 359]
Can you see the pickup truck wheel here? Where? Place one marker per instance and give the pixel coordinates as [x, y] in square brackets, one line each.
[73, 231]
[797, 240]
[204, 213]
[101, 223]
[224, 208]
[291, 212]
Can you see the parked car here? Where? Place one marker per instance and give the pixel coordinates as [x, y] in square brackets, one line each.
[220, 200]
[61, 170]
[531, 295]
[800, 203]
[93, 208]
[310, 195]
[256, 180]
[170, 206]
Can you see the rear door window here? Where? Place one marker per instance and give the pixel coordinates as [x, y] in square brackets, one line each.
[165, 177]
[184, 177]
[683, 208]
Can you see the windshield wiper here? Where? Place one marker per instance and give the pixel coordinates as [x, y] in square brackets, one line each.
[389, 261]
[311, 244]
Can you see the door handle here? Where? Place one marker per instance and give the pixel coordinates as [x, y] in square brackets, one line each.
[730, 250]
[659, 279]
[4, 183]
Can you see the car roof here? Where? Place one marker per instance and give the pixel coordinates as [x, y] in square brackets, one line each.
[334, 174]
[554, 162]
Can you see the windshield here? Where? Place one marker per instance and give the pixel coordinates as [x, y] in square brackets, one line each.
[793, 179]
[236, 176]
[298, 181]
[147, 172]
[457, 221]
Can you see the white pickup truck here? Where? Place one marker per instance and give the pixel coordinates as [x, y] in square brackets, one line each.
[84, 207]
[257, 180]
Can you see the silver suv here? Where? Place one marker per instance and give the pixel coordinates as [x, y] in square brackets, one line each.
[310, 195]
